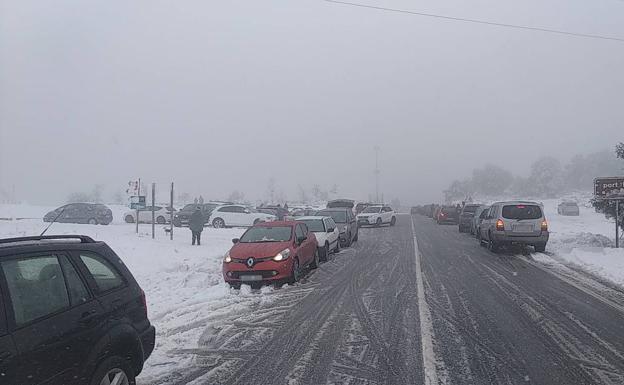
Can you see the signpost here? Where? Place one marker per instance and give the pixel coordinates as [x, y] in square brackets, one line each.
[611, 189]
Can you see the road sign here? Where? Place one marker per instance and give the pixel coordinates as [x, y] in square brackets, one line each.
[609, 188]
[137, 202]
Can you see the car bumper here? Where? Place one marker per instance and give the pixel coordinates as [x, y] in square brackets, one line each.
[507, 238]
[148, 341]
[266, 271]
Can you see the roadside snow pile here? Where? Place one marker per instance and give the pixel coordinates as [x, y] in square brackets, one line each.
[580, 240]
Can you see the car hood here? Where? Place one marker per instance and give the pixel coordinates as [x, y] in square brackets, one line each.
[257, 250]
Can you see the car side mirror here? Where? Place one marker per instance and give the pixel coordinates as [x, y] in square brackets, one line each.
[235, 240]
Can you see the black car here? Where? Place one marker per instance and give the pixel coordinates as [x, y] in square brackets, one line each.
[70, 313]
[181, 218]
[91, 213]
[466, 216]
[448, 215]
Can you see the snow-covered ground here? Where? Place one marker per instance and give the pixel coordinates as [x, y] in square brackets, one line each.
[186, 292]
[183, 283]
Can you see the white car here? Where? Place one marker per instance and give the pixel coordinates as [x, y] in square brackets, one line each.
[326, 232]
[237, 215]
[161, 215]
[376, 216]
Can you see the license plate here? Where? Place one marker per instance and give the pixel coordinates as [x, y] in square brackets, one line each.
[523, 228]
[251, 278]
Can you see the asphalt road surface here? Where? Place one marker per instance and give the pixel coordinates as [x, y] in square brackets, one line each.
[364, 318]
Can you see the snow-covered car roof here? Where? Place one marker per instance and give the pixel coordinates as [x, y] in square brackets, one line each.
[312, 217]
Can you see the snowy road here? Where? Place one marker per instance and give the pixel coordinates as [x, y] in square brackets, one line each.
[496, 319]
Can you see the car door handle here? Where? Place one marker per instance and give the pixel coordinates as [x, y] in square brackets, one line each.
[88, 316]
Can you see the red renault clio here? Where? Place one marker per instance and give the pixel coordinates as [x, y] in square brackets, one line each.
[271, 252]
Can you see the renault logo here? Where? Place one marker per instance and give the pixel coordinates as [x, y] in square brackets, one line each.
[250, 262]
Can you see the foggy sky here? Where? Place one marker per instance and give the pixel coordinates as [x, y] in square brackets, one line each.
[222, 96]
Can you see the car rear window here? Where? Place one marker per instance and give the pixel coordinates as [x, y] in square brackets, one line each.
[314, 225]
[337, 216]
[522, 212]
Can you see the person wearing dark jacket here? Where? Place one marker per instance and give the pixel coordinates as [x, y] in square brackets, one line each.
[196, 224]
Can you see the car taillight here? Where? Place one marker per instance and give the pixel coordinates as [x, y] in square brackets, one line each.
[144, 300]
[442, 214]
[500, 226]
[544, 225]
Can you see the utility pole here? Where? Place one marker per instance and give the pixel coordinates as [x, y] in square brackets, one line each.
[617, 224]
[171, 217]
[153, 208]
[137, 210]
[377, 174]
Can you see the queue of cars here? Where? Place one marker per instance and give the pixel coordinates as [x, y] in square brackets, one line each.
[278, 251]
[500, 224]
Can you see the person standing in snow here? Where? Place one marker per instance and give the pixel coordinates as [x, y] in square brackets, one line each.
[196, 225]
[201, 200]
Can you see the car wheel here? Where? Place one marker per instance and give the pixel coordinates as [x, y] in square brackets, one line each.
[93, 221]
[295, 273]
[161, 220]
[129, 219]
[492, 245]
[177, 223]
[337, 248]
[540, 248]
[324, 251]
[315, 261]
[114, 370]
[218, 223]
[393, 221]
[378, 222]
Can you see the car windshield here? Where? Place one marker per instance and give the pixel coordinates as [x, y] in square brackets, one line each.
[337, 216]
[522, 211]
[190, 207]
[371, 210]
[314, 225]
[261, 234]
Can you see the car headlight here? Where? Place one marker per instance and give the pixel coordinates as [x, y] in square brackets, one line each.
[227, 258]
[282, 255]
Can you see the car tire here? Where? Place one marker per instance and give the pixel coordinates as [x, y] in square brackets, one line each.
[393, 221]
[315, 261]
[218, 223]
[161, 220]
[357, 235]
[129, 219]
[177, 223]
[378, 222]
[337, 248]
[295, 272]
[540, 248]
[113, 369]
[492, 245]
[93, 221]
[324, 252]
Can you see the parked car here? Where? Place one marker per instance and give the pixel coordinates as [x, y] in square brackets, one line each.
[347, 224]
[466, 216]
[87, 213]
[326, 232]
[237, 215]
[568, 208]
[303, 212]
[71, 313]
[448, 215]
[376, 216]
[341, 203]
[278, 211]
[181, 218]
[162, 215]
[515, 222]
[363, 205]
[477, 218]
[271, 252]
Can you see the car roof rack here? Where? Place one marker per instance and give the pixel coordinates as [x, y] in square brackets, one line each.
[82, 238]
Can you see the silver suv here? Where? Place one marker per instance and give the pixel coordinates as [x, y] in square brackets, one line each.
[514, 222]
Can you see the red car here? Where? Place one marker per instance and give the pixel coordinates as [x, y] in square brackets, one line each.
[271, 252]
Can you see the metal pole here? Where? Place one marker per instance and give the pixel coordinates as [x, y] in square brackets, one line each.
[617, 224]
[376, 174]
[138, 204]
[171, 218]
[153, 207]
